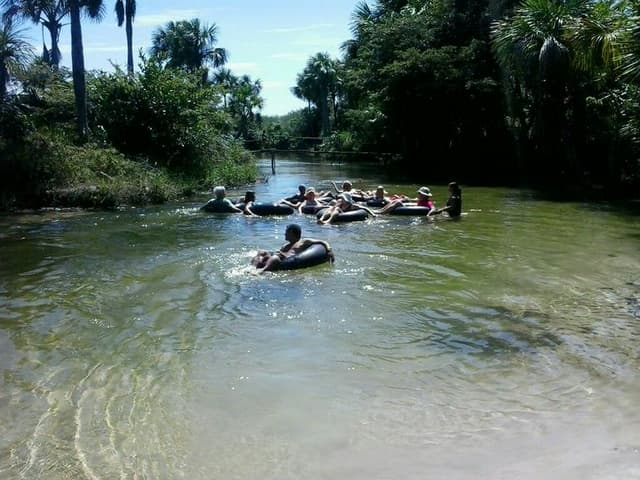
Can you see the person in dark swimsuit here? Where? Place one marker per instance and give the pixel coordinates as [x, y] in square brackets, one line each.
[294, 201]
[454, 202]
[265, 261]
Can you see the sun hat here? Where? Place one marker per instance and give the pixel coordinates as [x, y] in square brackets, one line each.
[425, 191]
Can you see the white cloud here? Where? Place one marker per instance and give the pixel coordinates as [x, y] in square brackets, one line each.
[95, 48]
[158, 19]
[289, 56]
[321, 42]
[243, 67]
[275, 85]
[304, 28]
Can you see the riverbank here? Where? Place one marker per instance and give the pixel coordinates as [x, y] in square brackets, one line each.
[94, 177]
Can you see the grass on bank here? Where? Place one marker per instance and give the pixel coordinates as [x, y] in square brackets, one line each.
[44, 173]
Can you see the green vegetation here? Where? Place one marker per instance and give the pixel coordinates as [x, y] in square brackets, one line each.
[540, 92]
[108, 139]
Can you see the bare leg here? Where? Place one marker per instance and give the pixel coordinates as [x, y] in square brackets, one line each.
[260, 259]
[273, 263]
[389, 206]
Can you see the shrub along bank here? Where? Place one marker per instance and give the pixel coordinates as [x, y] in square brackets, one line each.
[155, 136]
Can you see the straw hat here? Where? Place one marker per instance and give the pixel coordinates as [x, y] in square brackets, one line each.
[425, 191]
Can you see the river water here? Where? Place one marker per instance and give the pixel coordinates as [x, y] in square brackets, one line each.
[137, 344]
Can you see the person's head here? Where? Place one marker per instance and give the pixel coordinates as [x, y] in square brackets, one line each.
[424, 192]
[293, 232]
[302, 189]
[250, 196]
[310, 194]
[346, 186]
[380, 192]
[219, 192]
[454, 188]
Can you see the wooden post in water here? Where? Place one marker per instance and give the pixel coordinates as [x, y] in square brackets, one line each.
[273, 162]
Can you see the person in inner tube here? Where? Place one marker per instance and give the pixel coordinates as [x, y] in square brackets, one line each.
[310, 200]
[425, 199]
[265, 261]
[347, 187]
[343, 205]
[220, 202]
[246, 202]
[294, 201]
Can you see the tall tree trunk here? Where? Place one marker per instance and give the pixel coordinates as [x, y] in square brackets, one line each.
[324, 113]
[77, 66]
[4, 77]
[129, 30]
[54, 52]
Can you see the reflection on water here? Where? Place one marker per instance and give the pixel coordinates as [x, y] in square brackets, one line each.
[138, 344]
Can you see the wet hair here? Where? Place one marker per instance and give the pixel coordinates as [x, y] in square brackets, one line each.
[302, 188]
[294, 228]
[219, 191]
[250, 196]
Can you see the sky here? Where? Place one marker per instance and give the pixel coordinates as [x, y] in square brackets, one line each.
[268, 40]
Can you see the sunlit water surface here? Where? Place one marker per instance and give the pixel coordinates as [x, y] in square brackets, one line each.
[138, 344]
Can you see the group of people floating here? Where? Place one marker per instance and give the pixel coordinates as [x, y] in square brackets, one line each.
[329, 207]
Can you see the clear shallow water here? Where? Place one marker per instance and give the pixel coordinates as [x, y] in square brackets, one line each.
[137, 344]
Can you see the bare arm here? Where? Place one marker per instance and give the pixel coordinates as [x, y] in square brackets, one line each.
[368, 210]
[307, 242]
[247, 210]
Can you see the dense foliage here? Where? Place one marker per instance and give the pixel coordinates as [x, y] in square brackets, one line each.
[537, 91]
[162, 114]
[154, 135]
[103, 139]
[540, 91]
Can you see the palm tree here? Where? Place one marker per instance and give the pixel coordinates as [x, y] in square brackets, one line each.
[245, 98]
[15, 54]
[48, 13]
[360, 18]
[126, 11]
[94, 9]
[317, 83]
[189, 46]
[630, 44]
[227, 80]
[535, 49]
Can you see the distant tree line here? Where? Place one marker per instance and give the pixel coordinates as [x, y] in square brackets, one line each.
[537, 91]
